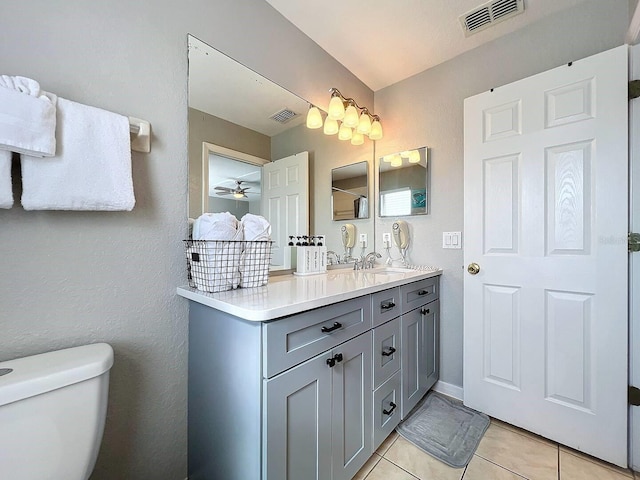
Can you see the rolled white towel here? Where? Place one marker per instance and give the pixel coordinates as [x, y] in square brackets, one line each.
[21, 84]
[255, 227]
[6, 189]
[217, 226]
[28, 122]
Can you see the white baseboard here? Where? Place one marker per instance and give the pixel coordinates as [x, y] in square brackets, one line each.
[449, 389]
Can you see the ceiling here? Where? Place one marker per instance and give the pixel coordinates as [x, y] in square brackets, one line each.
[382, 41]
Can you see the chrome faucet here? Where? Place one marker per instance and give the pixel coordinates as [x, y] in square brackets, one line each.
[370, 259]
[337, 257]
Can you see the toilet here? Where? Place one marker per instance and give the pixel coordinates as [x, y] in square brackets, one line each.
[52, 413]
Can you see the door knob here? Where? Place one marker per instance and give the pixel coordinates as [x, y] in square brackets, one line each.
[473, 268]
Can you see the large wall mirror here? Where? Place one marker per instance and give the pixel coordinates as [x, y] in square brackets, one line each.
[350, 191]
[403, 183]
[254, 121]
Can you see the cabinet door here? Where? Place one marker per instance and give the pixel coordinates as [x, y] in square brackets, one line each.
[297, 422]
[352, 407]
[420, 353]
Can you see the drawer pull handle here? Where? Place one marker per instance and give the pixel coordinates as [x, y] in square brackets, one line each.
[423, 292]
[387, 306]
[336, 326]
[389, 352]
[425, 311]
[390, 411]
[337, 358]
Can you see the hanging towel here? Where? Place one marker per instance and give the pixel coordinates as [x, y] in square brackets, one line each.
[254, 264]
[27, 117]
[363, 207]
[92, 169]
[21, 84]
[6, 189]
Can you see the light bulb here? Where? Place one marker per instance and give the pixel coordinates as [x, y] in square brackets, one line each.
[345, 133]
[364, 124]
[314, 118]
[414, 156]
[330, 126]
[238, 195]
[405, 154]
[396, 161]
[357, 139]
[336, 108]
[351, 118]
[376, 130]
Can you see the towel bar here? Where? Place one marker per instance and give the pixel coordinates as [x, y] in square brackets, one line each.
[140, 135]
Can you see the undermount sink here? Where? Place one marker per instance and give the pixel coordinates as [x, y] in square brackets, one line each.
[388, 270]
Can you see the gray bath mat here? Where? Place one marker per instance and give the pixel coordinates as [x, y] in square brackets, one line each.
[448, 431]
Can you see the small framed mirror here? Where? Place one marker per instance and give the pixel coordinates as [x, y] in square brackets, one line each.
[403, 182]
[349, 191]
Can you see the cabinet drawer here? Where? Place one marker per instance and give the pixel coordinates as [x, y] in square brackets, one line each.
[386, 416]
[385, 305]
[292, 340]
[419, 293]
[386, 351]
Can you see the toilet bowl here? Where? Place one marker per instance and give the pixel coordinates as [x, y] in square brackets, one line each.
[52, 413]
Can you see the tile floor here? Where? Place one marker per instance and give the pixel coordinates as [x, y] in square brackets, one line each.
[505, 453]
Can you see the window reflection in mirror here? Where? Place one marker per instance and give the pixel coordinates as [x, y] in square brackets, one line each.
[349, 192]
[403, 180]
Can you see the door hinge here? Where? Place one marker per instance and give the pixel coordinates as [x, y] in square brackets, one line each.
[634, 396]
[634, 242]
[634, 89]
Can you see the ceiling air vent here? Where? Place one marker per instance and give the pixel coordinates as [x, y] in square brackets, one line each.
[284, 115]
[489, 14]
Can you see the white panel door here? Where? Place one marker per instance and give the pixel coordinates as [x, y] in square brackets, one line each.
[545, 319]
[285, 201]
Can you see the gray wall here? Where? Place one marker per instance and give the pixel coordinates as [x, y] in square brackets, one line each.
[427, 109]
[71, 278]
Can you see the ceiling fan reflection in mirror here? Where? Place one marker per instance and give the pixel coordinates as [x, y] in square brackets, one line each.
[237, 192]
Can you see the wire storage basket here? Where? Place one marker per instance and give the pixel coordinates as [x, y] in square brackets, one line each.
[219, 265]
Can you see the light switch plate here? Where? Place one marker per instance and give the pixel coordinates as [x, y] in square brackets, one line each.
[451, 239]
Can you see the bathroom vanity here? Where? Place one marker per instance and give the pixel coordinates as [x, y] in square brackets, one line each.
[305, 377]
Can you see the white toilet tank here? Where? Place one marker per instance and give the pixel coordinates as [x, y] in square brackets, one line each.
[52, 413]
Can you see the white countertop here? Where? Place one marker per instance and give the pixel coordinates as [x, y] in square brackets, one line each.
[289, 294]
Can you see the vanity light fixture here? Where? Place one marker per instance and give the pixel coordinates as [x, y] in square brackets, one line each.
[314, 118]
[356, 121]
[412, 155]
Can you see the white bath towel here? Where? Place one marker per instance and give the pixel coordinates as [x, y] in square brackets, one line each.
[6, 191]
[254, 265]
[27, 122]
[217, 226]
[21, 84]
[92, 168]
[217, 267]
[255, 227]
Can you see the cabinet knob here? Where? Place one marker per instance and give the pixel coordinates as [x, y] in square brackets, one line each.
[389, 352]
[425, 311]
[390, 411]
[337, 358]
[422, 292]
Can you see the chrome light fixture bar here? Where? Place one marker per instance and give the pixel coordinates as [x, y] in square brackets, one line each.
[356, 121]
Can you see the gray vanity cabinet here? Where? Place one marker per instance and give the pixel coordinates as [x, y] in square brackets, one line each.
[317, 415]
[308, 396]
[420, 353]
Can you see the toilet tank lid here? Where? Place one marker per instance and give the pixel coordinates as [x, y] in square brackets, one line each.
[42, 373]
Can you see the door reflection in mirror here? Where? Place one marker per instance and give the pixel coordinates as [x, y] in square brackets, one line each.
[349, 191]
[403, 180]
